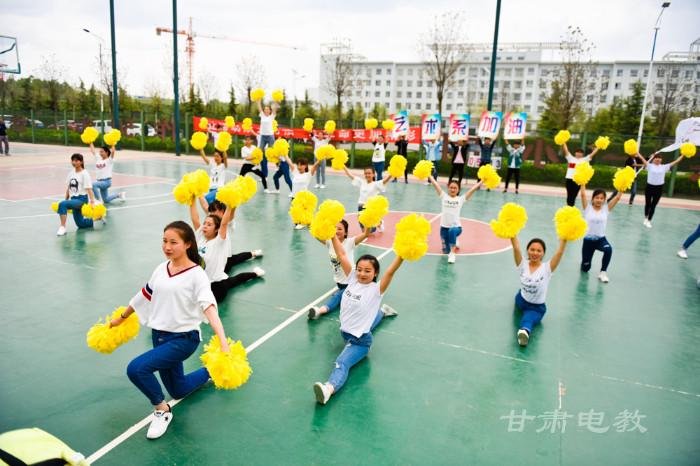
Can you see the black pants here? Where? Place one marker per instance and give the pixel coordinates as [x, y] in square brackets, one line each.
[572, 190]
[457, 168]
[237, 259]
[220, 288]
[652, 194]
[248, 167]
[516, 172]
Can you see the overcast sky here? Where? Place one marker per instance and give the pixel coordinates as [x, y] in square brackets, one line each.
[379, 30]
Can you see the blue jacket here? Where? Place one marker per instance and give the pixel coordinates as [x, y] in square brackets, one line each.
[433, 150]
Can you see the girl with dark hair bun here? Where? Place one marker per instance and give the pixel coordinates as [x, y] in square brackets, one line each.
[656, 177]
[596, 215]
[78, 192]
[217, 172]
[104, 162]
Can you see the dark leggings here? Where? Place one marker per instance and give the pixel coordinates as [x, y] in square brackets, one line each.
[572, 190]
[592, 245]
[220, 288]
[248, 168]
[652, 194]
[237, 259]
[457, 168]
[516, 172]
[283, 170]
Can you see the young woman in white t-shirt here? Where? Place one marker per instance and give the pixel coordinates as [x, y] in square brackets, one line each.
[451, 205]
[217, 172]
[248, 167]
[214, 247]
[321, 139]
[266, 132]
[596, 215]
[104, 162]
[360, 313]
[78, 192]
[341, 279]
[534, 279]
[173, 303]
[379, 156]
[368, 188]
[572, 161]
[656, 177]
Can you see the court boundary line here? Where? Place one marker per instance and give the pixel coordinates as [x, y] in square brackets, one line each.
[148, 204]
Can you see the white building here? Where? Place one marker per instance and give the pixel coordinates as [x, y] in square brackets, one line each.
[524, 73]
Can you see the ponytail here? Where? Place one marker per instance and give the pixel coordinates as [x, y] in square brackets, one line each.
[187, 235]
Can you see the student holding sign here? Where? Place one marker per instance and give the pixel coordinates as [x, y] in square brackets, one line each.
[515, 160]
[459, 158]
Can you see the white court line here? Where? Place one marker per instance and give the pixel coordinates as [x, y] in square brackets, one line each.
[646, 385]
[111, 208]
[145, 421]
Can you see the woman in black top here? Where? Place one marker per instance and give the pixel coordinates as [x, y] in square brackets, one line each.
[402, 149]
[459, 158]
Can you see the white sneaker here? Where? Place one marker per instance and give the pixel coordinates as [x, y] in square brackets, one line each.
[273, 191]
[523, 337]
[258, 271]
[159, 424]
[682, 254]
[647, 223]
[603, 277]
[290, 195]
[388, 311]
[323, 186]
[317, 185]
[122, 195]
[267, 191]
[61, 231]
[257, 252]
[299, 226]
[313, 313]
[380, 228]
[322, 392]
[451, 258]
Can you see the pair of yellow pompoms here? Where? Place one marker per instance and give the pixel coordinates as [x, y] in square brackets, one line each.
[237, 192]
[329, 213]
[422, 170]
[488, 175]
[397, 166]
[89, 135]
[325, 152]
[411, 240]
[375, 209]
[193, 184]
[302, 208]
[511, 219]
[96, 212]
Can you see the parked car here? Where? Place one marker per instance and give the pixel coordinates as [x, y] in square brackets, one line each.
[135, 130]
[72, 125]
[97, 124]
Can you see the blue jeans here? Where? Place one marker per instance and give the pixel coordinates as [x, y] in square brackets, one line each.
[378, 170]
[591, 245]
[355, 351]
[449, 235]
[532, 313]
[265, 141]
[334, 301]
[101, 190]
[169, 350]
[435, 168]
[211, 195]
[321, 172]
[75, 203]
[691, 239]
[282, 170]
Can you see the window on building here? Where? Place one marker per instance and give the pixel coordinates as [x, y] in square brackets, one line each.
[619, 73]
[427, 106]
[618, 86]
[507, 72]
[448, 107]
[634, 73]
[521, 58]
[410, 72]
[399, 83]
[482, 84]
[460, 94]
[409, 83]
[540, 109]
[398, 93]
[429, 95]
[357, 93]
[419, 95]
[697, 75]
[473, 72]
[387, 94]
[368, 73]
[462, 71]
[674, 73]
[527, 108]
[484, 72]
[386, 104]
[460, 82]
[460, 105]
[606, 73]
[519, 73]
[602, 98]
[399, 71]
[409, 94]
[377, 83]
[388, 71]
[518, 84]
[589, 98]
[688, 74]
[449, 95]
[531, 71]
[528, 96]
[419, 83]
[529, 83]
[659, 87]
[603, 86]
[646, 73]
[366, 93]
[516, 96]
[509, 58]
[418, 106]
[660, 73]
[631, 86]
[388, 83]
[377, 93]
[378, 71]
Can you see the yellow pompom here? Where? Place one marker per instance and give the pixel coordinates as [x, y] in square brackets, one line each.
[569, 223]
[275, 126]
[411, 240]
[272, 154]
[193, 184]
[89, 135]
[113, 137]
[688, 149]
[182, 194]
[105, 339]
[371, 123]
[257, 94]
[99, 211]
[256, 156]
[511, 219]
[198, 140]
[228, 370]
[54, 206]
[562, 137]
[423, 169]
[329, 127]
[203, 124]
[388, 124]
[623, 179]
[237, 192]
[325, 152]
[631, 147]
[583, 173]
[281, 147]
[602, 142]
[247, 124]
[229, 122]
[397, 166]
[302, 208]
[86, 210]
[340, 158]
[329, 213]
[488, 176]
[308, 124]
[200, 182]
[375, 209]
[224, 141]
[277, 95]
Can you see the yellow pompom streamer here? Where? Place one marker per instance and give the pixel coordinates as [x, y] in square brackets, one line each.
[105, 339]
[224, 141]
[275, 126]
[562, 137]
[302, 208]
[281, 147]
[229, 122]
[623, 179]
[411, 240]
[247, 124]
[256, 156]
[570, 223]
[228, 370]
[325, 152]
[397, 166]
[688, 149]
[602, 142]
[329, 213]
[308, 124]
[329, 127]
[583, 173]
[193, 184]
[86, 210]
[237, 192]
[388, 124]
[340, 158]
[631, 147]
[277, 95]
[511, 219]
[376, 208]
[272, 155]
[113, 137]
[423, 169]
[54, 207]
[257, 94]
[89, 135]
[488, 176]
[203, 124]
[182, 194]
[371, 123]
[198, 140]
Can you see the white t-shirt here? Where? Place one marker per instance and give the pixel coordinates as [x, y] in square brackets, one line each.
[533, 286]
[379, 154]
[656, 173]
[597, 220]
[247, 153]
[266, 124]
[217, 174]
[215, 252]
[103, 167]
[359, 306]
[300, 181]
[319, 143]
[338, 272]
[573, 161]
[78, 182]
[367, 190]
[174, 303]
[451, 210]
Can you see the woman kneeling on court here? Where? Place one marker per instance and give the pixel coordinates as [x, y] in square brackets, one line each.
[78, 192]
[174, 301]
[360, 313]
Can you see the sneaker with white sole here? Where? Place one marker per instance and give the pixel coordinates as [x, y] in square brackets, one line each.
[290, 195]
[159, 424]
[313, 313]
[682, 254]
[647, 223]
[61, 231]
[323, 392]
[380, 228]
[257, 252]
[122, 195]
[299, 226]
[323, 186]
[451, 258]
[317, 185]
[603, 276]
[523, 337]
[258, 271]
[388, 311]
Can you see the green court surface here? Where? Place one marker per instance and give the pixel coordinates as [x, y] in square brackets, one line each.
[612, 376]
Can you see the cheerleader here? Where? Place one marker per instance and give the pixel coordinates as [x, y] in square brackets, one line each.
[103, 172]
[340, 277]
[368, 188]
[360, 313]
[267, 132]
[450, 224]
[217, 172]
[379, 156]
[534, 279]
[301, 179]
[247, 156]
[656, 177]
[571, 187]
[683, 251]
[515, 160]
[402, 149]
[282, 171]
[78, 192]
[173, 303]
[596, 215]
[319, 142]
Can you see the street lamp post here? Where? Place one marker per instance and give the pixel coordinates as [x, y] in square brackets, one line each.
[295, 75]
[102, 102]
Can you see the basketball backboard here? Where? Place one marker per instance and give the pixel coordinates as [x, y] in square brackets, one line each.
[9, 55]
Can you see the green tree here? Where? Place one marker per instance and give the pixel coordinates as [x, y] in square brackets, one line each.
[231, 108]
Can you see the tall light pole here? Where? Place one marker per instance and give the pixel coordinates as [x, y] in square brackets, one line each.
[295, 75]
[657, 26]
[115, 87]
[102, 101]
[494, 54]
